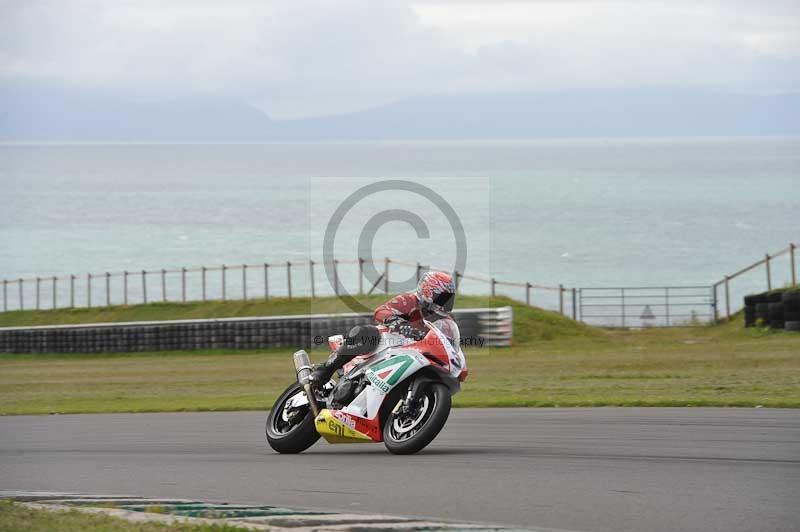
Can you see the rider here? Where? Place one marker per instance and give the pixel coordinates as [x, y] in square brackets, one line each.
[433, 299]
[403, 314]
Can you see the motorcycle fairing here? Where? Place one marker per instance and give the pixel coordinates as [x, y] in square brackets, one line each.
[384, 370]
[338, 427]
[359, 421]
[384, 374]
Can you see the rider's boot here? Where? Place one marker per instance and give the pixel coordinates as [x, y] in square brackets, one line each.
[360, 340]
[322, 373]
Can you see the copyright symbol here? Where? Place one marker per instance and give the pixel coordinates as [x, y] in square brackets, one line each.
[318, 340]
[368, 232]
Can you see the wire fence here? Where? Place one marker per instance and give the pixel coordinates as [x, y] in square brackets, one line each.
[617, 306]
[287, 279]
[766, 274]
[646, 306]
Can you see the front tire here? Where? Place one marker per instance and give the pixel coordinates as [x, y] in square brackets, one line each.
[290, 432]
[409, 433]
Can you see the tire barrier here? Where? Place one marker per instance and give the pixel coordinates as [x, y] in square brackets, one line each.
[762, 313]
[778, 309]
[749, 315]
[488, 327]
[776, 315]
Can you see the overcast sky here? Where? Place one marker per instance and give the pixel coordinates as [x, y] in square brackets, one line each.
[298, 58]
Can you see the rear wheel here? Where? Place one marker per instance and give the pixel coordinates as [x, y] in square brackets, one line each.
[411, 431]
[291, 429]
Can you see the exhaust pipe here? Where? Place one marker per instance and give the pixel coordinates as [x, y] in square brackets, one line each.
[303, 367]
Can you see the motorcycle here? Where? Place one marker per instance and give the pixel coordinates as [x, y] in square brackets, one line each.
[398, 394]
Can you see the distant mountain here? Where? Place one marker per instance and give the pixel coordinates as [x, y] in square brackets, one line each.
[48, 115]
[76, 116]
[563, 114]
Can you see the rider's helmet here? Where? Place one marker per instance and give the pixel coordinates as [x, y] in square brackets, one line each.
[436, 292]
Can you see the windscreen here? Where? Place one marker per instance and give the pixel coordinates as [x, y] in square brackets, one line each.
[449, 328]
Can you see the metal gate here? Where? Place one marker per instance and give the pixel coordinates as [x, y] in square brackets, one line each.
[662, 306]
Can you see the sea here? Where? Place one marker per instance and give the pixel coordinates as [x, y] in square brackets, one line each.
[578, 213]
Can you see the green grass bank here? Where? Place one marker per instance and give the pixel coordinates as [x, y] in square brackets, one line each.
[554, 362]
[15, 517]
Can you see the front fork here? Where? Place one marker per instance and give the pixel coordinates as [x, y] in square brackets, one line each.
[407, 405]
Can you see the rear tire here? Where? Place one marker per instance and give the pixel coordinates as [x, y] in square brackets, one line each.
[400, 439]
[288, 438]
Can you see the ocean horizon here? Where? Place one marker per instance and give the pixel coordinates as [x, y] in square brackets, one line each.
[577, 212]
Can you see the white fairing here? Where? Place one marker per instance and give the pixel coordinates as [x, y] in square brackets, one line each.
[391, 357]
[448, 332]
[405, 362]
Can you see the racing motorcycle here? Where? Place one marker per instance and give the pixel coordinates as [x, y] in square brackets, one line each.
[398, 394]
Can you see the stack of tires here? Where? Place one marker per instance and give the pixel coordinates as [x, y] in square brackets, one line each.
[791, 310]
[776, 310]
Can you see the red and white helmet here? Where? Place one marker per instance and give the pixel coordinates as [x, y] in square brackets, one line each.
[436, 292]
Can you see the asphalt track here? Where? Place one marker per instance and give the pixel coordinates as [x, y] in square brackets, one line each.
[601, 469]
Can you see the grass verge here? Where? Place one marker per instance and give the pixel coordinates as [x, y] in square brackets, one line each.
[555, 362]
[16, 517]
[198, 310]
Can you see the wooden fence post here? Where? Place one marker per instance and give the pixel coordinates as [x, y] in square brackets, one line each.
[386, 276]
[244, 281]
[561, 299]
[38, 284]
[336, 277]
[360, 276]
[458, 280]
[183, 284]
[528, 294]
[714, 301]
[769, 273]
[224, 271]
[144, 286]
[727, 297]
[21, 297]
[574, 305]
[108, 289]
[289, 278]
[5, 295]
[203, 280]
[89, 290]
[55, 291]
[494, 282]
[163, 285]
[72, 291]
[311, 275]
[266, 281]
[125, 287]
[793, 264]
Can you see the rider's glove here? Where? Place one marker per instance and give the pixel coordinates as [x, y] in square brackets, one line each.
[395, 322]
[402, 326]
[409, 331]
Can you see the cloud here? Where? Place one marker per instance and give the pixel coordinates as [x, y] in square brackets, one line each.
[309, 57]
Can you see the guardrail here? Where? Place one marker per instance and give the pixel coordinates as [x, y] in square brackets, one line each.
[246, 282]
[732, 296]
[303, 278]
[484, 327]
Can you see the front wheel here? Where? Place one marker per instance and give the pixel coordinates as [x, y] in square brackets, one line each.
[291, 429]
[409, 432]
